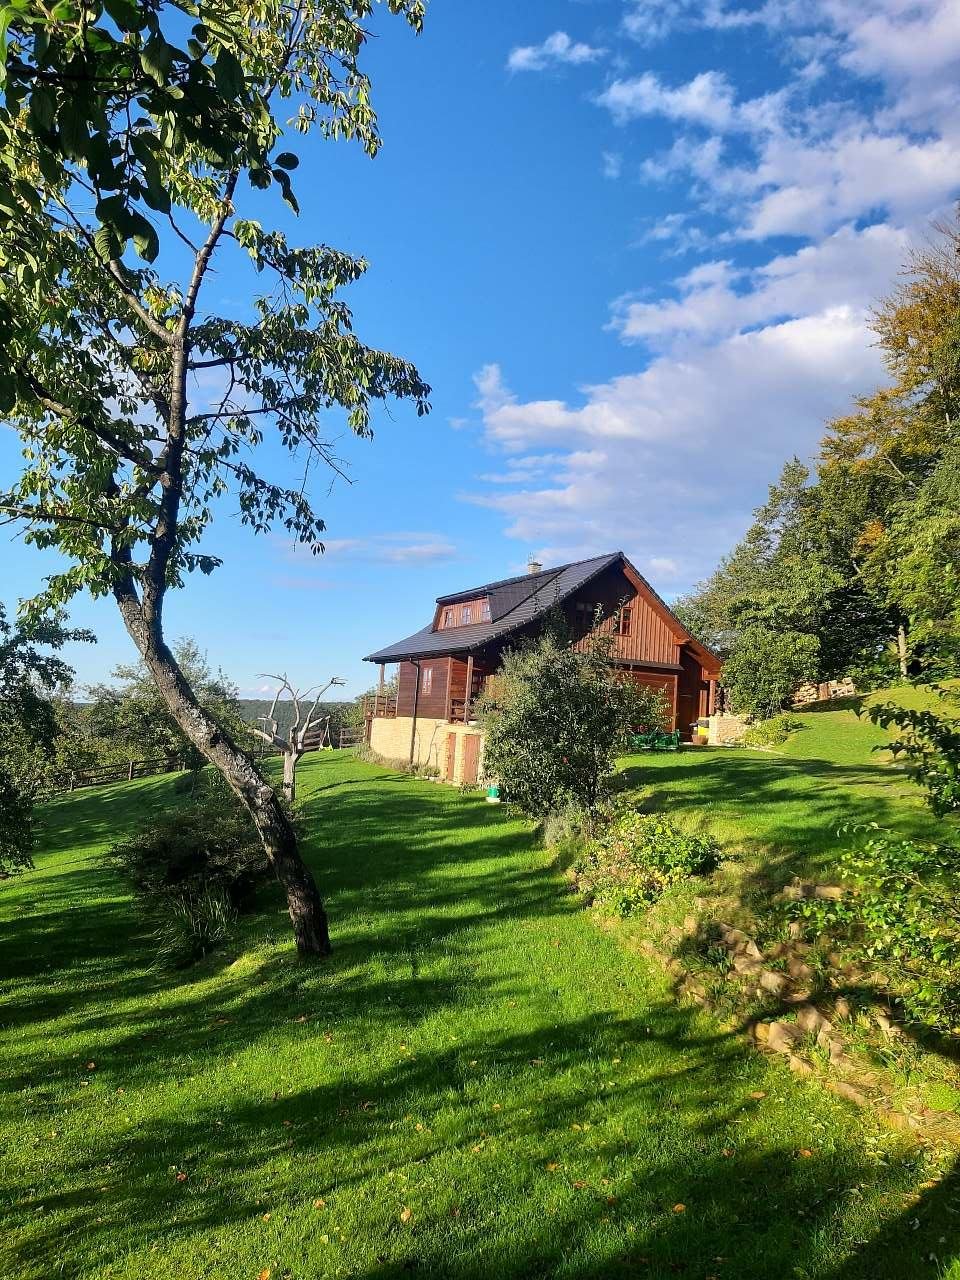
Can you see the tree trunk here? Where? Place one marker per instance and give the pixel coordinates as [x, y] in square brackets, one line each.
[902, 649]
[260, 800]
[289, 776]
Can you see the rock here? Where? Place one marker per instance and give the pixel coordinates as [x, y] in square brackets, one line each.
[795, 929]
[885, 1023]
[745, 964]
[775, 983]
[690, 926]
[799, 1066]
[829, 892]
[777, 950]
[833, 1046]
[842, 1009]
[734, 937]
[799, 969]
[811, 1019]
[844, 1090]
[760, 1032]
[782, 1037]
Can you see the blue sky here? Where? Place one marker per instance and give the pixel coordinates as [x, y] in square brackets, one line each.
[632, 244]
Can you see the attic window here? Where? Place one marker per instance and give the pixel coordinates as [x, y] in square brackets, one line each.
[447, 618]
[484, 610]
[466, 614]
[625, 620]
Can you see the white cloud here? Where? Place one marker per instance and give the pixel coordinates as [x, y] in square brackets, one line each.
[392, 548]
[556, 50]
[849, 268]
[707, 99]
[667, 463]
[612, 166]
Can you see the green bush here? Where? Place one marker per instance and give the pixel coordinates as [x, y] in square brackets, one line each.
[771, 733]
[189, 923]
[637, 859]
[208, 843]
[902, 919]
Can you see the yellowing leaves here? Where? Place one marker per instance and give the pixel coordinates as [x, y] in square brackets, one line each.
[406, 1215]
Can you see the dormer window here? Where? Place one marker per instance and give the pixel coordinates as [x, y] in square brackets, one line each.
[448, 618]
[484, 610]
[466, 614]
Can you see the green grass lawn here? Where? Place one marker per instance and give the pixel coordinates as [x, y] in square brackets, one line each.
[783, 808]
[479, 1083]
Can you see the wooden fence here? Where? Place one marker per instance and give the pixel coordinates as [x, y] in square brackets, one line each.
[118, 773]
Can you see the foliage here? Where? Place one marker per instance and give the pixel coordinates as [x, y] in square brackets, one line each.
[766, 668]
[555, 720]
[129, 720]
[30, 677]
[863, 555]
[930, 742]
[902, 918]
[771, 733]
[637, 859]
[189, 923]
[208, 844]
[138, 153]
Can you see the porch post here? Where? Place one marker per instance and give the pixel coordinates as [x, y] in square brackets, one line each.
[712, 700]
[469, 690]
[413, 723]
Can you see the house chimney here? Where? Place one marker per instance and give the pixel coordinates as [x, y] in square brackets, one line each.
[534, 565]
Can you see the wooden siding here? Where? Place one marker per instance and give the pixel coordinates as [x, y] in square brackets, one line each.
[432, 705]
[477, 614]
[651, 638]
[664, 682]
[693, 692]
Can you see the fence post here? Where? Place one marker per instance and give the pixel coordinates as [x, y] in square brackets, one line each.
[73, 781]
[130, 771]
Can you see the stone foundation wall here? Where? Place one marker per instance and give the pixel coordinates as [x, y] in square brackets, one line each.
[391, 740]
[725, 731]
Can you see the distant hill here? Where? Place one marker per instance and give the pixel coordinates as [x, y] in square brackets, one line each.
[252, 709]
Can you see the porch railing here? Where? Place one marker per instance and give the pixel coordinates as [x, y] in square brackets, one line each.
[380, 706]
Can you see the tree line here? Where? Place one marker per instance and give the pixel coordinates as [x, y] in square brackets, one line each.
[852, 565]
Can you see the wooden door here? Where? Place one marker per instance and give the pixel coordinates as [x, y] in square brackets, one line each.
[471, 759]
[450, 759]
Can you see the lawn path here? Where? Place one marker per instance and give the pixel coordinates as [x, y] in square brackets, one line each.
[481, 1082]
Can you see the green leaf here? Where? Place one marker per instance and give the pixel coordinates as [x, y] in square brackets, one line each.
[228, 74]
[42, 109]
[156, 58]
[126, 14]
[287, 160]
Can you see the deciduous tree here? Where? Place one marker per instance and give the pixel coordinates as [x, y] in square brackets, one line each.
[137, 140]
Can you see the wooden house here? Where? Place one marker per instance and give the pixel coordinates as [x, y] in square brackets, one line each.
[443, 667]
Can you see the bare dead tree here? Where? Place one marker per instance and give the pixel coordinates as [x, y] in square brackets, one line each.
[292, 742]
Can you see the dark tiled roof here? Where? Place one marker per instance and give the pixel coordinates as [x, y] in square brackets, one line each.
[513, 602]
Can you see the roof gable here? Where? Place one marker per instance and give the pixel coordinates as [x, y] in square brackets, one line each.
[520, 600]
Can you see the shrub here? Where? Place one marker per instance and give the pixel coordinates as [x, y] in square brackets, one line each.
[556, 718]
[637, 859]
[190, 923]
[209, 843]
[771, 733]
[766, 666]
[930, 742]
[902, 918]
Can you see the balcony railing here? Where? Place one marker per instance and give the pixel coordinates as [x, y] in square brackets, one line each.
[380, 706]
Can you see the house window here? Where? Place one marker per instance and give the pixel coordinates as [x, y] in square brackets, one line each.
[484, 610]
[447, 618]
[466, 614]
[426, 680]
[625, 621]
